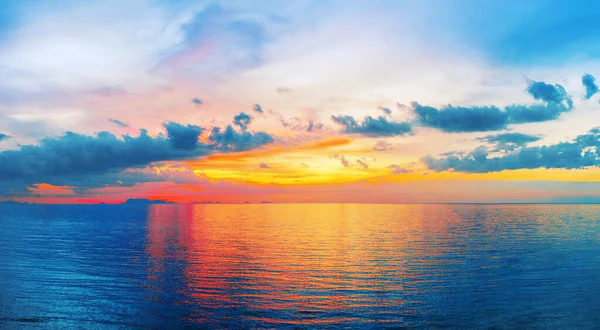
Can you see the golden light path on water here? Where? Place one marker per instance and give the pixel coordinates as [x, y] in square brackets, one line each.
[337, 264]
[299, 265]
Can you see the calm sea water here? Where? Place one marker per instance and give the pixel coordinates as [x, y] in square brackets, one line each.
[328, 265]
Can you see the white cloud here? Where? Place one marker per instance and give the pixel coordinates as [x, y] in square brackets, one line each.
[87, 45]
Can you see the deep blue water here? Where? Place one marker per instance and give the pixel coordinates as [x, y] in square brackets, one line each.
[314, 266]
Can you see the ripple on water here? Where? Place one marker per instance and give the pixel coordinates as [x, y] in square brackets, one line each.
[323, 265]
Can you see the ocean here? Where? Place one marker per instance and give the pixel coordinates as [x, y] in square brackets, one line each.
[300, 266]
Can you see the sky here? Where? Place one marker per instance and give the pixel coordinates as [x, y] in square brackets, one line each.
[299, 101]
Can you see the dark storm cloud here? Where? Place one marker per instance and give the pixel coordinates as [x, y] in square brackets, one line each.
[451, 119]
[581, 152]
[370, 126]
[4, 137]
[242, 120]
[197, 101]
[589, 82]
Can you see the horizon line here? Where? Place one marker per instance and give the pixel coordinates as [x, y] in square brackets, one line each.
[283, 203]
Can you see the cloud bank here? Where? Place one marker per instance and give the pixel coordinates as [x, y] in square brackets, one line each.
[78, 154]
[451, 119]
[580, 153]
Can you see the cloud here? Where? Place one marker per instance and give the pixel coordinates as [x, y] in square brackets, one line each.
[110, 52]
[522, 114]
[107, 91]
[382, 145]
[183, 137]
[76, 154]
[118, 122]
[461, 119]
[242, 120]
[231, 140]
[582, 152]
[173, 172]
[4, 137]
[399, 169]
[296, 124]
[509, 141]
[283, 90]
[386, 111]
[539, 90]
[223, 38]
[263, 165]
[451, 119]
[197, 101]
[314, 126]
[555, 98]
[451, 153]
[326, 144]
[370, 126]
[309, 123]
[342, 160]
[589, 82]
[362, 163]
[257, 108]
[45, 189]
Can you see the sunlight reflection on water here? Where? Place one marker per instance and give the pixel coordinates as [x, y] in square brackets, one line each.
[317, 265]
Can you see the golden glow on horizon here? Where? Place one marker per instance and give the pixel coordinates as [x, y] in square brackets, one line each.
[313, 164]
[309, 173]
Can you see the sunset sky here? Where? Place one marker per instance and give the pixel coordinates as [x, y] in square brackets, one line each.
[303, 101]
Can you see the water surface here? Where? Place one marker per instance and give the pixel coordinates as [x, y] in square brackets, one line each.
[321, 265]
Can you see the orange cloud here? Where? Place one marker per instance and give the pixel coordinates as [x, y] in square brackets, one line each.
[237, 156]
[45, 189]
[326, 144]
